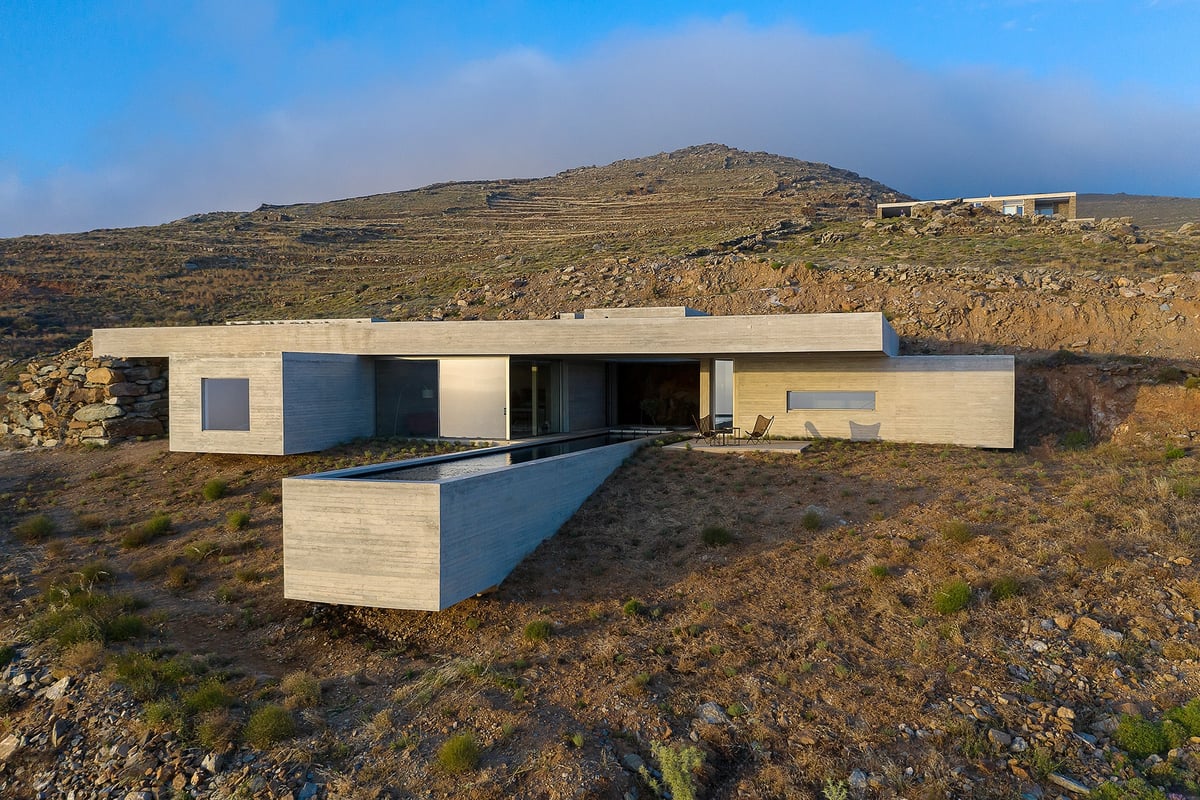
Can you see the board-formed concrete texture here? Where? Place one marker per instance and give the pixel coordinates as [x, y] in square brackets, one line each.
[312, 383]
[426, 545]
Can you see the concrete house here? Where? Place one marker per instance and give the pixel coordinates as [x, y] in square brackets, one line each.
[428, 533]
[1021, 205]
[292, 387]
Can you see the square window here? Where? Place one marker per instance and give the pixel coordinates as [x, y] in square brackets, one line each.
[225, 404]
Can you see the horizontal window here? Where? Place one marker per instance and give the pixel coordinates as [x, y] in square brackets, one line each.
[225, 404]
[858, 401]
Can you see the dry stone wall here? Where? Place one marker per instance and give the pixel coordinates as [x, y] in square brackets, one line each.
[73, 398]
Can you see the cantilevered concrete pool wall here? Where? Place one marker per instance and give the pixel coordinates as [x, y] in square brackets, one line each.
[351, 537]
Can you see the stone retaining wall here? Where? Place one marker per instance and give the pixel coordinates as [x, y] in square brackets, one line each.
[73, 398]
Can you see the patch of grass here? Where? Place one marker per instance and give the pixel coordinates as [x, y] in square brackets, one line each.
[267, 497]
[7, 654]
[633, 607]
[302, 689]
[1140, 737]
[147, 677]
[1192, 382]
[202, 550]
[879, 571]
[248, 574]
[1076, 440]
[1188, 716]
[269, 725]
[208, 696]
[1173, 452]
[716, 536]
[178, 577]
[237, 520]
[83, 656]
[539, 630]
[95, 572]
[35, 529]
[214, 489]
[146, 532]
[822, 561]
[812, 520]
[216, 729]
[953, 597]
[78, 616]
[459, 754]
[1097, 554]
[957, 531]
[1005, 587]
[1133, 789]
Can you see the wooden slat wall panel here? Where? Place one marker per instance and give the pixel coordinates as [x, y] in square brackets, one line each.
[366, 543]
[327, 399]
[965, 400]
[266, 403]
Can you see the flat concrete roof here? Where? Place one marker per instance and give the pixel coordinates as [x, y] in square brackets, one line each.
[989, 198]
[679, 335]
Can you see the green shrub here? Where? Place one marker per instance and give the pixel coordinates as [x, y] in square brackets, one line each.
[7, 654]
[716, 536]
[1192, 382]
[81, 616]
[216, 729]
[1133, 789]
[1005, 587]
[957, 531]
[954, 596]
[538, 631]
[208, 696]
[161, 714]
[124, 627]
[145, 532]
[1076, 440]
[678, 767]
[633, 607]
[237, 520]
[459, 754]
[1173, 452]
[147, 677]
[879, 571]
[302, 688]
[35, 528]
[822, 561]
[214, 489]
[812, 520]
[96, 572]
[247, 574]
[269, 725]
[1139, 737]
[267, 497]
[1188, 716]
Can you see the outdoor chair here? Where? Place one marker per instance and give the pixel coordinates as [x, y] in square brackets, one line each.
[705, 427]
[761, 426]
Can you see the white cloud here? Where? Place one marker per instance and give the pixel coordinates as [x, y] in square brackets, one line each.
[833, 99]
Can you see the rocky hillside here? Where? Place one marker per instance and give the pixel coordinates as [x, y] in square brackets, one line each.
[400, 255]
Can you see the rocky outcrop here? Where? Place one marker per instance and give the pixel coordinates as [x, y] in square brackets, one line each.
[73, 398]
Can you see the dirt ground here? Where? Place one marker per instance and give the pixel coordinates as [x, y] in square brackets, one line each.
[813, 630]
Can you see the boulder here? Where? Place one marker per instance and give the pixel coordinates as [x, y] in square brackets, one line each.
[98, 411]
[104, 376]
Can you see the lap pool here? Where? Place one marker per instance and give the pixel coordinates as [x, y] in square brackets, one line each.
[428, 533]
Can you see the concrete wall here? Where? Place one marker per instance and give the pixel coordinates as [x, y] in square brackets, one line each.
[428, 545]
[665, 337]
[964, 400]
[327, 399]
[587, 402]
[491, 521]
[265, 373]
[361, 543]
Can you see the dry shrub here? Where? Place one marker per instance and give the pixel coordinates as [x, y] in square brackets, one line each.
[302, 689]
[83, 656]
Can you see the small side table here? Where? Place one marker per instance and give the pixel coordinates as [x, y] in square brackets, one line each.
[725, 434]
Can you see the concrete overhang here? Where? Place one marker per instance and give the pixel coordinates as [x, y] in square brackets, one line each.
[680, 336]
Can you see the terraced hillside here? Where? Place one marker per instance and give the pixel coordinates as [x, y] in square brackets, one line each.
[399, 255]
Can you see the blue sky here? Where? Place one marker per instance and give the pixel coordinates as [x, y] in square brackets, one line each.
[136, 112]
